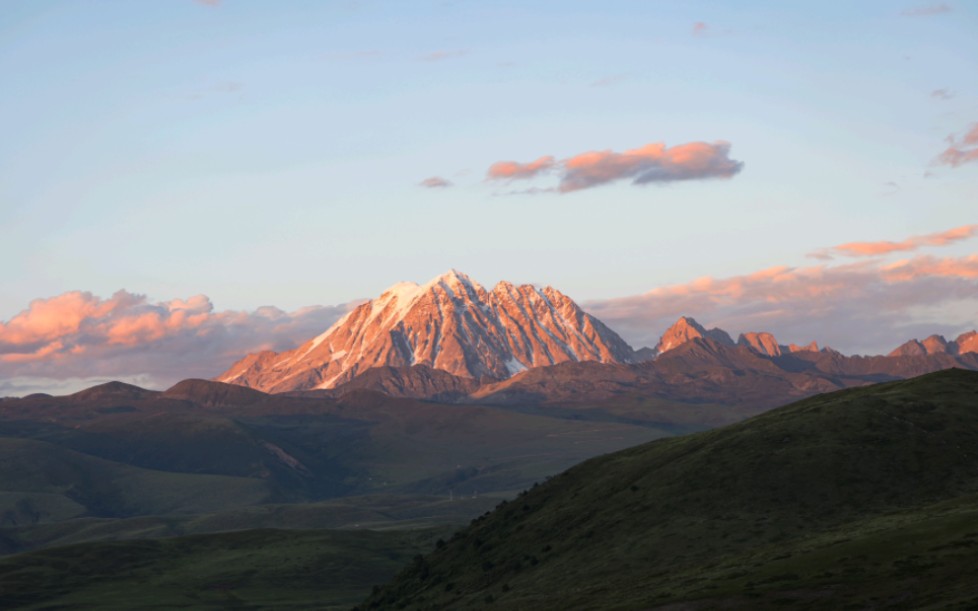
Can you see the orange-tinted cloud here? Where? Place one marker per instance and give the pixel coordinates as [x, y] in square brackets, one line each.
[863, 307]
[962, 149]
[77, 334]
[509, 170]
[652, 163]
[885, 247]
[435, 182]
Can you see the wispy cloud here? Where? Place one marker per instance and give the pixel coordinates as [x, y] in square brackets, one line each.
[79, 335]
[961, 149]
[885, 247]
[700, 28]
[927, 11]
[209, 2]
[942, 94]
[435, 182]
[652, 163]
[509, 170]
[441, 55]
[858, 307]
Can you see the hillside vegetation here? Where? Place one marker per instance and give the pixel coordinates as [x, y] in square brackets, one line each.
[255, 569]
[863, 498]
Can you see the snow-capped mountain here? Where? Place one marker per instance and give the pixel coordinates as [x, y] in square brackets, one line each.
[451, 323]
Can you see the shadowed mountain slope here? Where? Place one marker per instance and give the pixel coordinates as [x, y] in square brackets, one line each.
[864, 497]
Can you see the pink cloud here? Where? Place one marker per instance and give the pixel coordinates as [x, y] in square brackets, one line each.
[514, 170]
[962, 149]
[652, 163]
[79, 335]
[859, 307]
[875, 249]
[435, 182]
[699, 28]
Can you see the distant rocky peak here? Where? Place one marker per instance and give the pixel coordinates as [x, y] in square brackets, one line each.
[937, 344]
[810, 347]
[687, 329]
[762, 343]
[967, 342]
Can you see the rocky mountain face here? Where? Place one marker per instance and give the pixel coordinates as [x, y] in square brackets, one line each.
[687, 329]
[705, 380]
[936, 344]
[451, 340]
[451, 324]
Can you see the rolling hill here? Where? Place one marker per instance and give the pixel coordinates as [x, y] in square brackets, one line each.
[862, 498]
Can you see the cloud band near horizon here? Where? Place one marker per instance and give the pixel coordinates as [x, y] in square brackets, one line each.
[865, 307]
[870, 305]
[79, 335]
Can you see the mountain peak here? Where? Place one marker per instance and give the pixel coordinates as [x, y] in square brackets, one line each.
[687, 329]
[450, 323]
[937, 344]
[762, 343]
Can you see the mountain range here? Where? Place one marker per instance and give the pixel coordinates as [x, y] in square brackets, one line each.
[452, 340]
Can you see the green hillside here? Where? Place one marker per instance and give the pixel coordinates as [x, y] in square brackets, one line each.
[266, 569]
[164, 466]
[861, 498]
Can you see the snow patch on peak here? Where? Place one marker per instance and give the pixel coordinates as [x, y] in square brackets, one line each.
[457, 284]
[403, 290]
[513, 366]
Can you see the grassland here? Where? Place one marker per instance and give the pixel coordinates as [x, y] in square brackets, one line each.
[255, 569]
[855, 499]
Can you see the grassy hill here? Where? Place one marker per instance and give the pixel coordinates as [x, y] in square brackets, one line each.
[117, 462]
[859, 498]
[266, 569]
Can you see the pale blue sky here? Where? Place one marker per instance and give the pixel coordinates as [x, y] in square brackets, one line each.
[270, 152]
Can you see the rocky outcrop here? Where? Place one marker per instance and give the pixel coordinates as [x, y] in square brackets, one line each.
[936, 344]
[687, 329]
[761, 343]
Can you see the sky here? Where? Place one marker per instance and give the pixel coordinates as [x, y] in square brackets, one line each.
[184, 182]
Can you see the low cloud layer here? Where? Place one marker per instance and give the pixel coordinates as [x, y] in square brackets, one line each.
[78, 335]
[863, 307]
[885, 247]
[962, 148]
[650, 164]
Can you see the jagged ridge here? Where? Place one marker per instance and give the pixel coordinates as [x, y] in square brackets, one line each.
[451, 323]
